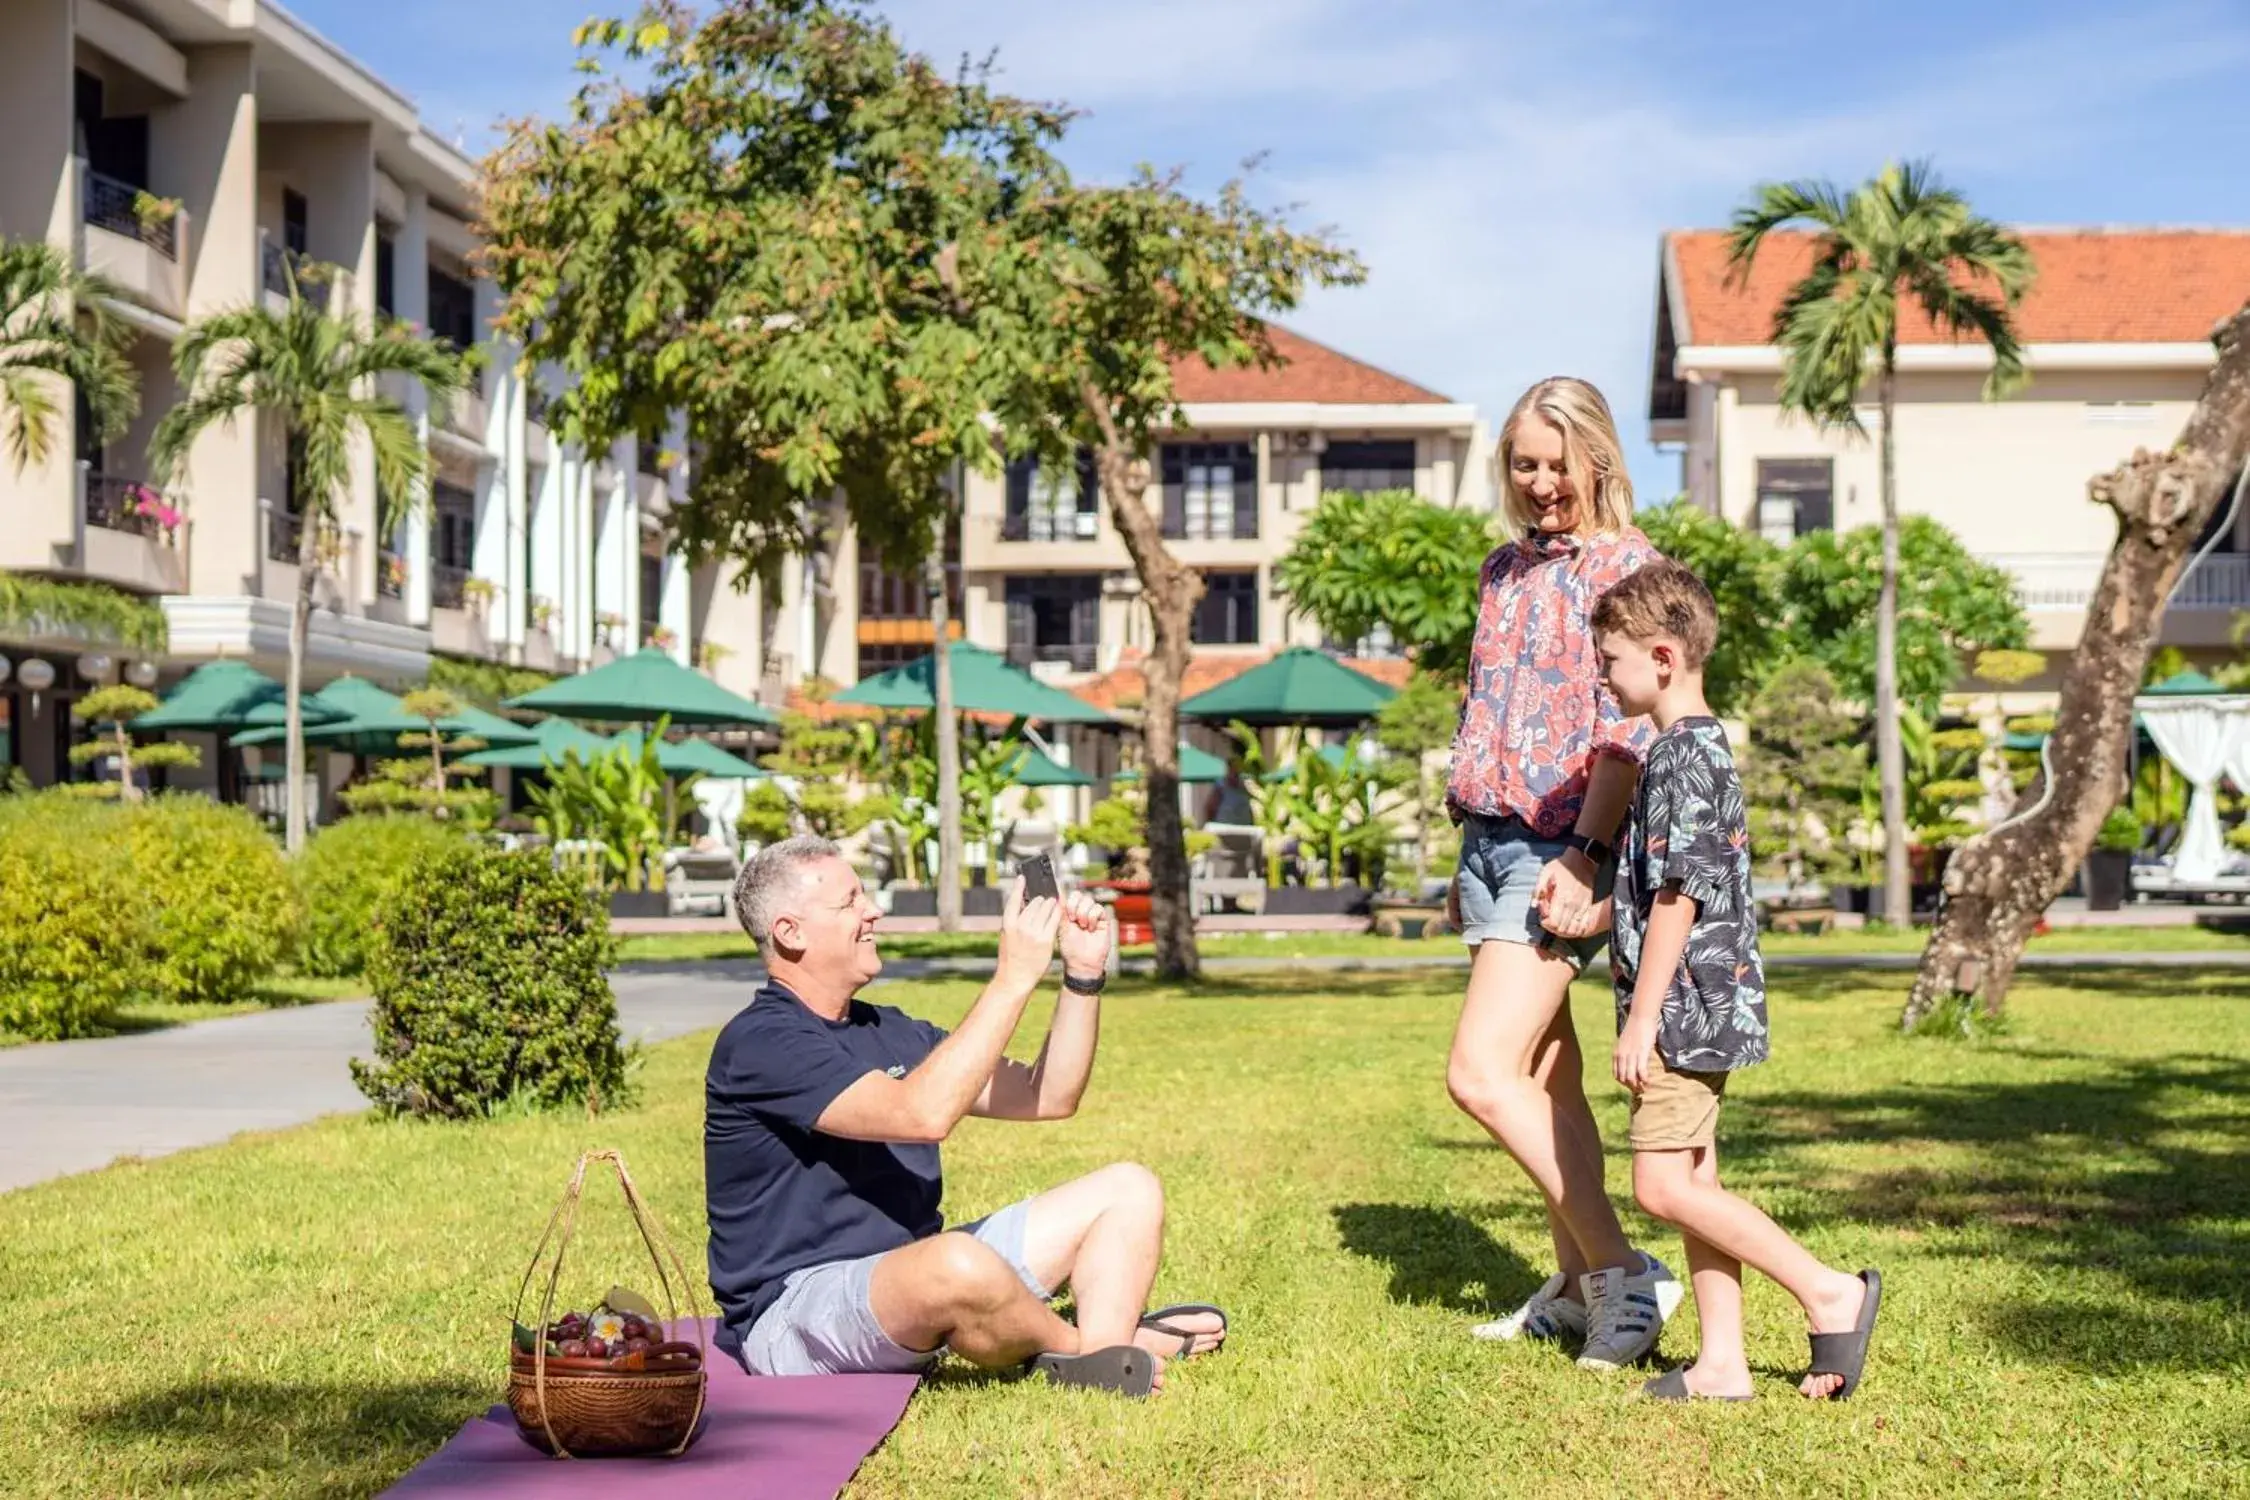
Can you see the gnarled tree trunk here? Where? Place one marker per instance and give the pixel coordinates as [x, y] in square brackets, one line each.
[1999, 883]
[1171, 589]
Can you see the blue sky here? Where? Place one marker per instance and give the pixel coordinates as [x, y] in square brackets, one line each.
[1505, 167]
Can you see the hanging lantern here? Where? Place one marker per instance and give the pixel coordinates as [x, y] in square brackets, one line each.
[96, 666]
[141, 674]
[37, 674]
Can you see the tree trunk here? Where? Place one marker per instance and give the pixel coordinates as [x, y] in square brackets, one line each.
[128, 790]
[1998, 884]
[300, 624]
[947, 727]
[1890, 757]
[1171, 589]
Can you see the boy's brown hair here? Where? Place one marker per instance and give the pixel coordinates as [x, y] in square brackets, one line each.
[1662, 599]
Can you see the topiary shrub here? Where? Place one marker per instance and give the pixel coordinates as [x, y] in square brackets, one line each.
[225, 914]
[75, 923]
[491, 983]
[342, 877]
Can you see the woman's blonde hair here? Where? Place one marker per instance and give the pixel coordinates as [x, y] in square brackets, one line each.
[1592, 456]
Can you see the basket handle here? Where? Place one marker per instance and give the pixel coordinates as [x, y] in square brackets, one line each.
[659, 1247]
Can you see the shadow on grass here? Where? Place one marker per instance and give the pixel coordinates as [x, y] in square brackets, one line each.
[224, 1429]
[1437, 1256]
[2131, 1186]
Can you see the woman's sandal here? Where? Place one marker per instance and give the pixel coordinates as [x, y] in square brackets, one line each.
[1672, 1386]
[1124, 1369]
[1845, 1354]
[1155, 1322]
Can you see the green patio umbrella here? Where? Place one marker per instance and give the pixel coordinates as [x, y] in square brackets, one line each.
[1195, 765]
[220, 696]
[642, 688]
[984, 682]
[1039, 769]
[555, 738]
[1299, 686]
[689, 757]
[371, 721]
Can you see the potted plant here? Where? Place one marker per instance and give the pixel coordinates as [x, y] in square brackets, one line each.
[542, 611]
[477, 593]
[663, 638]
[1116, 826]
[2109, 864]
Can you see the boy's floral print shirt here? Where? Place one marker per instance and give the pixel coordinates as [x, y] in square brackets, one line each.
[1536, 713]
[1689, 830]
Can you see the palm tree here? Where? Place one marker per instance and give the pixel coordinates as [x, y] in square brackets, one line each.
[1901, 238]
[55, 324]
[315, 376]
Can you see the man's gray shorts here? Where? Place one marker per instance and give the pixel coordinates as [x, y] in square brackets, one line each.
[824, 1321]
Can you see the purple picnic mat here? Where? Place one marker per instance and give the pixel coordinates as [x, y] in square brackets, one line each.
[778, 1438]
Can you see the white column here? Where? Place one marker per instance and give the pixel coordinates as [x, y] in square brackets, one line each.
[410, 296]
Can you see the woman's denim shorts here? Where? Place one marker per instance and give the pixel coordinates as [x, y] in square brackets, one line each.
[1500, 863]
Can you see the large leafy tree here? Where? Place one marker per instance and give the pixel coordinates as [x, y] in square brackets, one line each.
[808, 242]
[1142, 274]
[1949, 607]
[1999, 883]
[1392, 558]
[56, 328]
[1900, 241]
[1744, 572]
[851, 273]
[318, 377]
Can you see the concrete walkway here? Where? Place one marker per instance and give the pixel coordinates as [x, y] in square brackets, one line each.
[73, 1106]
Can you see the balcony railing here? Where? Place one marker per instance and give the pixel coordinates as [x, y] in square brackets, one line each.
[317, 282]
[1050, 526]
[2066, 580]
[448, 586]
[285, 533]
[118, 504]
[108, 204]
[1080, 658]
[1365, 481]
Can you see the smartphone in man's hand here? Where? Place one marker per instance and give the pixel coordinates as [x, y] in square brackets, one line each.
[1039, 878]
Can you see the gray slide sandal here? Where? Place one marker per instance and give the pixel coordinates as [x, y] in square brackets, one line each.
[1125, 1369]
[1845, 1354]
[1672, 1386]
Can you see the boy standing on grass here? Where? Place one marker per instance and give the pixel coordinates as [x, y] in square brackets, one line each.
[1691, 996]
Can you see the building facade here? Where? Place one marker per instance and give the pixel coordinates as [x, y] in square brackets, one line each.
[201, 154]
[2117, 333]
[1042, 573]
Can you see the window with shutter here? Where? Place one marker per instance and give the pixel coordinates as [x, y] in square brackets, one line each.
[1210, 491]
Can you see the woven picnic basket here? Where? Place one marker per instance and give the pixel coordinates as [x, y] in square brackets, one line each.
[572, 1411]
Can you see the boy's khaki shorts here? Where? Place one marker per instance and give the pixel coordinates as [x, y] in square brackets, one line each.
[1676, 1110]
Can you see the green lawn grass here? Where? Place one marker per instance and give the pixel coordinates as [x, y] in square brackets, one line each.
[671, 947]
[2062, 1215]
[276, 993]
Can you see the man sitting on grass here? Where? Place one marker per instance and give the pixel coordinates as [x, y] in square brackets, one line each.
[822, 1118]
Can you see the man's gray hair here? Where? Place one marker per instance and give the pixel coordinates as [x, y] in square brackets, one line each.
[771, 879]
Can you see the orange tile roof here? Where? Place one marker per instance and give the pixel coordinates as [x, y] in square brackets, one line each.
[1308, 372]
[2094, 286]
[1126, 685]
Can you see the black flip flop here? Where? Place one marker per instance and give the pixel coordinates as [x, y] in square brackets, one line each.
[1845, 1354]
[1672, 1386]
[1123, 1369]
[1155, 1323]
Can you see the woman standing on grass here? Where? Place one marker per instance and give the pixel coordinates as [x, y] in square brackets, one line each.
[1543, 769]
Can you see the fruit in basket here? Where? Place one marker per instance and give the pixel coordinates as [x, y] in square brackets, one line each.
[572, 1349]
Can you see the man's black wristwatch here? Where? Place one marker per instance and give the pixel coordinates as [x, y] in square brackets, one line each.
[1077, 986]
[1593, 848]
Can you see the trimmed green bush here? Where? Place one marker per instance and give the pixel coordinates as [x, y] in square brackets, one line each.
[224, 914]
[491, 978]
[343, 876]
[75, 922]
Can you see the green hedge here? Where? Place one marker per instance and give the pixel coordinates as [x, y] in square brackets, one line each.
[74, 919]
[103, 903]
[490, 973]
[226, 914]
[343, 875]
